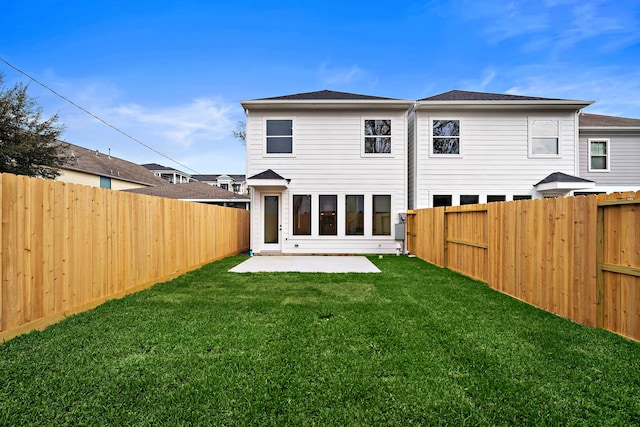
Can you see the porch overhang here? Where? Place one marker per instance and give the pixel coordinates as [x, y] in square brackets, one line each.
[268, 181]
[559, 182]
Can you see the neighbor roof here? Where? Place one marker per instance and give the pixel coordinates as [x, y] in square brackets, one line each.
[96, 163]
[209, 177]
[600, 121]
[190, 191]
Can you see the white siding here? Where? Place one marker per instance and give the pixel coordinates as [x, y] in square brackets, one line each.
[495, 156]
[328, 160]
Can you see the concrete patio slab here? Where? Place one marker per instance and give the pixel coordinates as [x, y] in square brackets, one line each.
[306, 264]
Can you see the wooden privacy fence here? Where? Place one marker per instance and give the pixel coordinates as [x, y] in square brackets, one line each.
[67, 248]
[577, 257]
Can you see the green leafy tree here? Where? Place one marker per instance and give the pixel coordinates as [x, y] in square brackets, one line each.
[29, 143]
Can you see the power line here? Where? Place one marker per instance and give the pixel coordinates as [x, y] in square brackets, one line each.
[96, 117]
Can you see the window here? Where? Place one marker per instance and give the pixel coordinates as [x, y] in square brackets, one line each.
[441, 200]
[302, 215]
[105, 182]
[524, 197]
[279, 136]
[598, 155]
[328, 215]
[224, 186]
[469, 200]
[354, 215]
[495, 198]
[381, 216]
[377, 136]
[446, 137]
[544, 138]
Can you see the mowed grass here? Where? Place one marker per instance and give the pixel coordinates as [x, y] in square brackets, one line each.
[413, 345]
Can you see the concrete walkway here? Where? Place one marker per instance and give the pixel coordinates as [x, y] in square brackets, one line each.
[306, 264]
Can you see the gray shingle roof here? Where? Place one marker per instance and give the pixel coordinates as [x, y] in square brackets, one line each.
[268, 174]
[210, 177]
[561, 177]
[463, 95]
[598, 120]
[190, 191]
[93, 162]
[326, 95]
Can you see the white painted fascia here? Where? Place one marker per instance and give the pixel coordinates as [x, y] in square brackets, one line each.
[561, 104]
[327, 104]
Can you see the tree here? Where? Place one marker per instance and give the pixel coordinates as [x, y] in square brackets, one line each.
[241, 132]
[28, 143]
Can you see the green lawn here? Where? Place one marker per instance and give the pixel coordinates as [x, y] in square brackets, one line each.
[413, 345]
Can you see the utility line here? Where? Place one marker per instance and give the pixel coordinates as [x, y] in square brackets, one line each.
[96, 117]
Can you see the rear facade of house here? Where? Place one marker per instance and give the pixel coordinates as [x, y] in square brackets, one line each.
[327, 172]
[334, 172]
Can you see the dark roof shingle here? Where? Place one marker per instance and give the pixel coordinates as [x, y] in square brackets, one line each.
[189, 191]
[93, 162]
[463, 95]
[325, 95]
[561, 177]
[598, 120]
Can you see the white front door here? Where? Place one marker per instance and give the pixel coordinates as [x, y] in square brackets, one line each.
[271, 226]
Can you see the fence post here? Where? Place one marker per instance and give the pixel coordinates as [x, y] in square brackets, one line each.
[599, 271]
[445, 238]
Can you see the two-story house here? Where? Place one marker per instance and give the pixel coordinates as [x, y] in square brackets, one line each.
[330, 171]
[233, 182]
[476, 147]
[327, 172]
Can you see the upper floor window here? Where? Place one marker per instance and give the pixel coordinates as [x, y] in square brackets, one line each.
[279, 137]
[445, 137]
[598, 155]
[544, 138]
[377, 136]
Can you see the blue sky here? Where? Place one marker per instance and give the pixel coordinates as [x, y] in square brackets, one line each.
[172, 73]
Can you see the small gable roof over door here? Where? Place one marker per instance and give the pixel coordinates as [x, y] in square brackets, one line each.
[268, 180]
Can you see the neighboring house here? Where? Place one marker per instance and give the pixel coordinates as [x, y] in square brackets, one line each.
[95, 169]
[197, 192]
[170, 175]
[609, 153]
[327, 172]
[474, 147]
[233, 183]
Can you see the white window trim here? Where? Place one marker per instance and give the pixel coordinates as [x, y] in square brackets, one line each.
[293, 136]
[607, 156]
[363, 136]
[460, 137]
[532, 155]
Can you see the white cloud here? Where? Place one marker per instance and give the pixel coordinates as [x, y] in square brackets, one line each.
[340, 75]
[615, 90]
[184, 125]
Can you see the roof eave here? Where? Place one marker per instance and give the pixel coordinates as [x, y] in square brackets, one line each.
[610, 128]
[327, 104]
[564, 104]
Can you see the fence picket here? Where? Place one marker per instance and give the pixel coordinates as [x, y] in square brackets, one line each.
[577, 257]
[66, 247]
